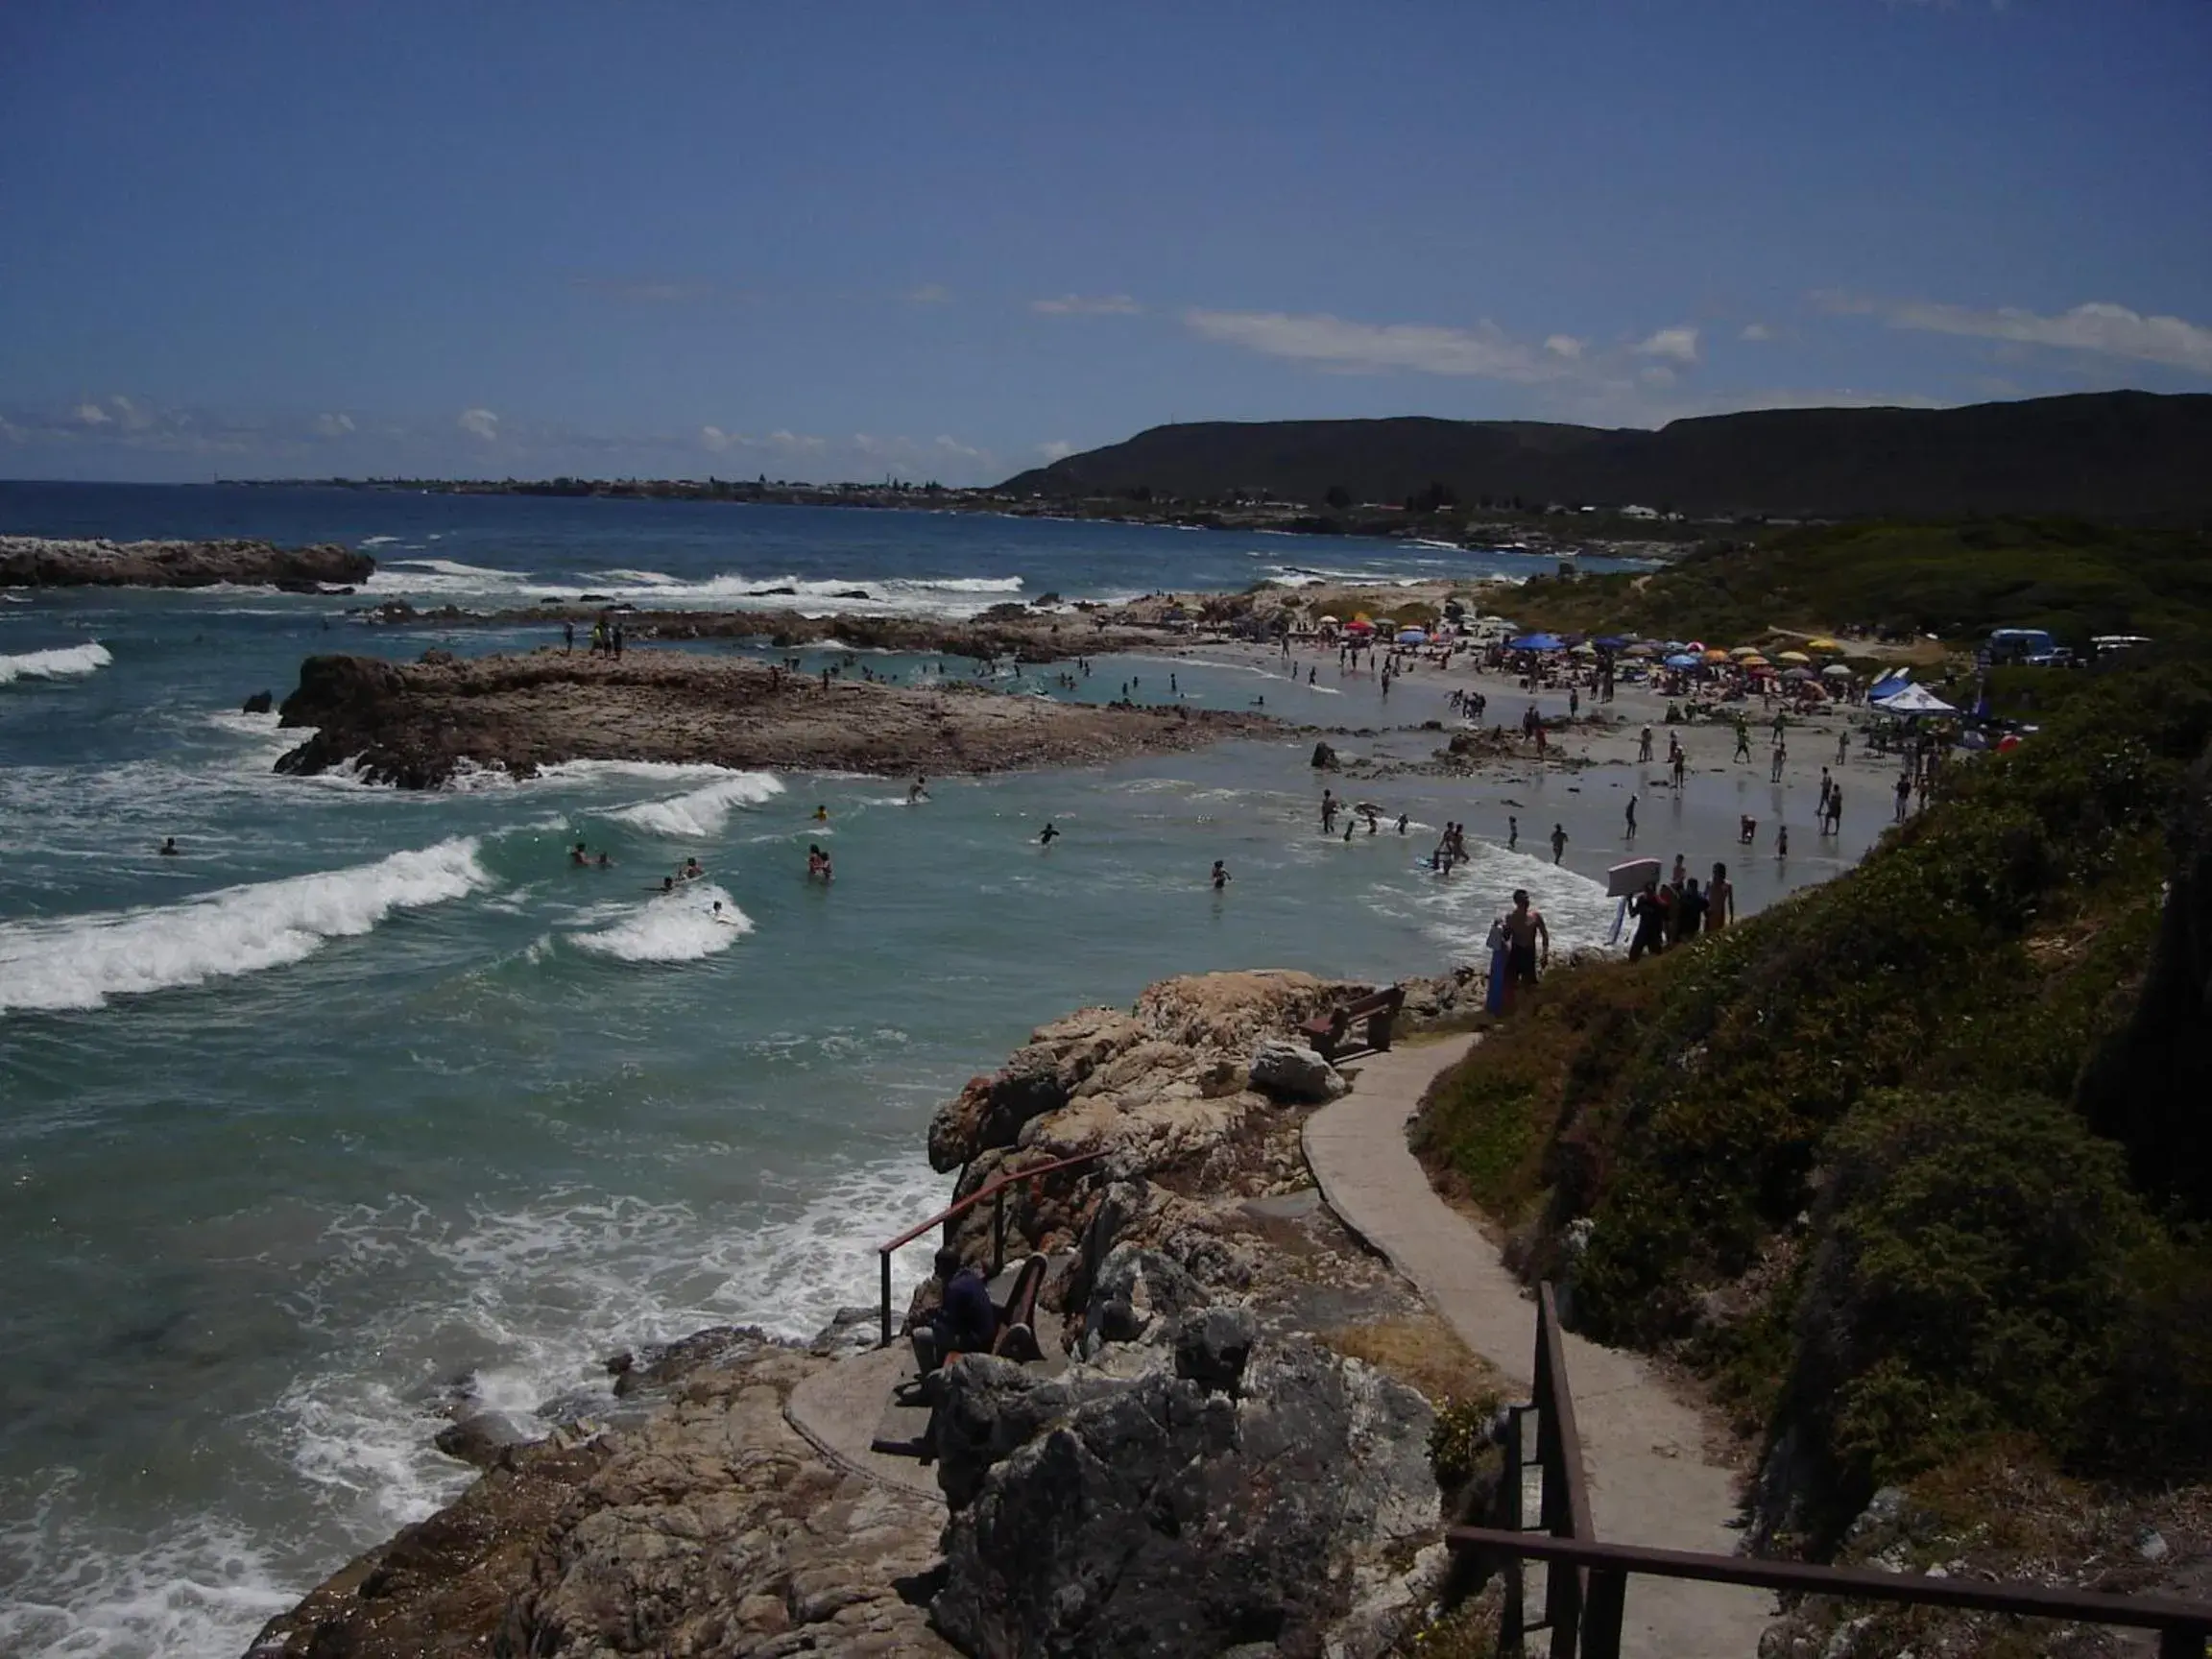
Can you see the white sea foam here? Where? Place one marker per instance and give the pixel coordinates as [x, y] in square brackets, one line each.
[526, 1297]
[197, 1588]
[58, 664]
[701, 812]
[1459, 908]
[379, 540]
[81, 961]
[676, 927]
[449, 578]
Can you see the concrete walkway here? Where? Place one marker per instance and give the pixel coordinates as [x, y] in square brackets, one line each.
[1649, 1480]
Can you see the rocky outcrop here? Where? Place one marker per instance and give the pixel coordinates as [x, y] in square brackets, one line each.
[712, 1527]
[416, 724]
[36, 562]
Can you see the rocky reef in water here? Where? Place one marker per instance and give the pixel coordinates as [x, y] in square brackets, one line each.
[38, 562]
[1216, 1467]
[415, 724]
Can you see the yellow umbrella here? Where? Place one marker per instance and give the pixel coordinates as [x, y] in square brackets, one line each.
[1753, 661]
[1792, 657]
[1744, 651]
[1822, 644]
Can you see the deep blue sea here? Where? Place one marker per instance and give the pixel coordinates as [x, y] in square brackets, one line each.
[365, 1092]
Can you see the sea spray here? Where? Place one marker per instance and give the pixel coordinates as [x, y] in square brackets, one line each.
[81, 961]
[64, 662]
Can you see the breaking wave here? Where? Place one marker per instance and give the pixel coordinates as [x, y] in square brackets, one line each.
[81, 961]
[701, 812]
[55, 664]
[679, 927]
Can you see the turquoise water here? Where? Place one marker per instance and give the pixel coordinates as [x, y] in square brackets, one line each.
[365, 1092]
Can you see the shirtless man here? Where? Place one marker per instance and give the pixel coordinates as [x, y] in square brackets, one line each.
[1525, 934]
[1720, 899]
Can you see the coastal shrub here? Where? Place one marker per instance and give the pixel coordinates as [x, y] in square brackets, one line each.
[1972, 1275]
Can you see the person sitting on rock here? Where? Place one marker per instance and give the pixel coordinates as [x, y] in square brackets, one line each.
[965, 1321]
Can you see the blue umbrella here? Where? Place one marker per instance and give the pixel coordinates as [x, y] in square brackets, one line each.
[1539, 642]
[1611, 642]
[1683, 660]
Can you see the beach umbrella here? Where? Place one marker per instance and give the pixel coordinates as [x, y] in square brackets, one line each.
[1611, 642]
[1753, 662]
[1792, 657]
[1715, 656]
[1323, 618]
[1836, 671]
[1642, 650]
[1681, 645]
[1683, 660]
[1822, 644]
[1585, 649]
[1744, 651]
[1538, 642]
[1359, 625]
[1797, 676]
[1411, 637]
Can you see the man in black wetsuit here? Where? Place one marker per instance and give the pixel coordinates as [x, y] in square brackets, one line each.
[1650, 913]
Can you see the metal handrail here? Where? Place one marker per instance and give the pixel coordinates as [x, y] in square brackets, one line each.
[993, 1190]
[2183, 1620]
[1588, 1581]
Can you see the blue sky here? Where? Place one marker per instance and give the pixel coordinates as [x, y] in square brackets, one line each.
[853, 239]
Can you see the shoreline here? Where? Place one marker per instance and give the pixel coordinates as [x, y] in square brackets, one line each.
[49, 562]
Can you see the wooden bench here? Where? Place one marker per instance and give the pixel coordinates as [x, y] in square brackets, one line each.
[1332, 1033]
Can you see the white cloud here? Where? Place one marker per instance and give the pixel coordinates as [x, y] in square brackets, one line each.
[1058, 449]
[715, 439]
[481, 421]
[1678, 343]
[947, 446]
[796, 443]
[2100, 326]
[929, 293]
[1756, 331]
[333, 425]
[92, 414]
[1088, 306]
[1484, 350]
[1564, 345]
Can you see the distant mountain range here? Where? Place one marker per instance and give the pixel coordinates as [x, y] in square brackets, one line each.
[2106, 454]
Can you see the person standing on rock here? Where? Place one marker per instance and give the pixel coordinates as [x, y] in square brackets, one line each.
[568, 639]
[617, 639]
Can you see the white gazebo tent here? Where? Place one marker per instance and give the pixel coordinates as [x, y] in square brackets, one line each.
[1914, 700]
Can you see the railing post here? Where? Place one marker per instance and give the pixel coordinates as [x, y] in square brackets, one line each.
[884, 1256]
[1513, 1613]
[1601, 1621]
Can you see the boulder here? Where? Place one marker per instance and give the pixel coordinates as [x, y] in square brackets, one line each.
[1160, 1516]
[260, 703]
[1285, 1071]
[1213, 1346]
[479, 1438]
[1324, 757]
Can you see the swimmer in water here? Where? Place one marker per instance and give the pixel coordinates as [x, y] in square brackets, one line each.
[667, 885]
[168, 848]
[821, 814]
[918, 792]
[576, 854]
[691, 871]
[1221, 875]
[604, 862]
[1049, 837]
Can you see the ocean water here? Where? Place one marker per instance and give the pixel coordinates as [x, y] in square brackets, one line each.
[363, 1098]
